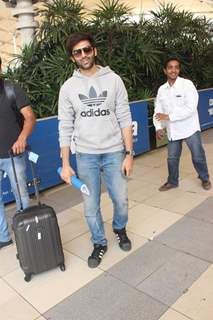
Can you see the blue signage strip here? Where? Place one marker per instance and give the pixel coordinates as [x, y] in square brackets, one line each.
[44, 142]
[205, 108]
[139, 111]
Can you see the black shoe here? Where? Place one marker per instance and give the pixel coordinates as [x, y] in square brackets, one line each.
[167, 186]
[123, 240]
[206, 185]
[95, 259]
[5, 244]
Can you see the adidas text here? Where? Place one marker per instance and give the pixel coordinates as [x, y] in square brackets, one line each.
[96, 113]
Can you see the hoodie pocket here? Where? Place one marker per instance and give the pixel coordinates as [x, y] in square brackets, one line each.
[98, 132]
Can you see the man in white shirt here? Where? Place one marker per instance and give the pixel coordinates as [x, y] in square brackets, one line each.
[176, 110]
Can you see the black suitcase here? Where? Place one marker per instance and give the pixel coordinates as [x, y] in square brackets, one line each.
[37, 236]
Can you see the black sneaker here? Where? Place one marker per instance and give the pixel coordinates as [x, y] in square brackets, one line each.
[123, 240]
[95, 259]
[5, 244]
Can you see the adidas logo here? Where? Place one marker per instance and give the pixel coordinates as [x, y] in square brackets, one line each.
[96, 113]
[93, 99]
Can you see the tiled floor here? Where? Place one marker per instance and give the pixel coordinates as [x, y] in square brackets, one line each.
[168, 275]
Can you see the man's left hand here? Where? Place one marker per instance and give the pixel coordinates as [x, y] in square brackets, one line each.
[127, 166]
[19, 146]
[161, 116]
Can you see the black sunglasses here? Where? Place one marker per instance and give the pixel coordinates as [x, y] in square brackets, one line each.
[78, 52]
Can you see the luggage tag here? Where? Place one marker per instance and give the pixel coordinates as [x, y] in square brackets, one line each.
[32, 156]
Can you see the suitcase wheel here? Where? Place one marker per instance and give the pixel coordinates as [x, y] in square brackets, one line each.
[27, 277]
[62, 267]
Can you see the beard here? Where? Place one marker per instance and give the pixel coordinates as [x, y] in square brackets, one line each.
[86, 63]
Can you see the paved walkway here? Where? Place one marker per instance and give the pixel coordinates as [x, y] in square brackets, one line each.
[168, 275]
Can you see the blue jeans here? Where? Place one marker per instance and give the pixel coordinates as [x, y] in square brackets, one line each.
[90, 167]
[6, 166]
[194, 143]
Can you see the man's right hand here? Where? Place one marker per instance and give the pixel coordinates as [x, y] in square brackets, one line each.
[19, 146]
[66, 173]
[160, 134]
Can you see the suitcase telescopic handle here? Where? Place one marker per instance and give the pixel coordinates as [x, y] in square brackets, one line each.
[33, 175]
[16, 179]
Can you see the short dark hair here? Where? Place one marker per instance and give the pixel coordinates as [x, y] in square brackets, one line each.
[75, 38]
[171, 59]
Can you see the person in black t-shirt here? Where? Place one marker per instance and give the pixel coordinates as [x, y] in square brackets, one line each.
[13, 136]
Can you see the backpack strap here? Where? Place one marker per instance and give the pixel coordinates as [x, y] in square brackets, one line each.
[11, 96]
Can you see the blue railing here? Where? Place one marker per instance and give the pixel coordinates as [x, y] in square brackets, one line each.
[44, 140]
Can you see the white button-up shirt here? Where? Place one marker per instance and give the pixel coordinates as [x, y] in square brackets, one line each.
[180, 102]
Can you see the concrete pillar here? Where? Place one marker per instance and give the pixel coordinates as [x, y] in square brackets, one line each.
[24, 12]
[26, 25]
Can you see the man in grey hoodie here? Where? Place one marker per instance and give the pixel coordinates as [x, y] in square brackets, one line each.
[95, 119]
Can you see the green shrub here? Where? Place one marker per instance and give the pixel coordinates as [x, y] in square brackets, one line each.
[135, 50]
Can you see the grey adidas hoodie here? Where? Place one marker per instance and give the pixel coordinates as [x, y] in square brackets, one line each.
[92, 110]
